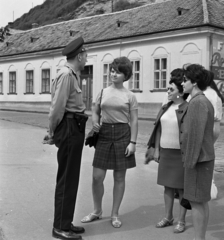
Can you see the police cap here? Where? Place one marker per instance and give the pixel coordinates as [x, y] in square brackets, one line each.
[74, 48]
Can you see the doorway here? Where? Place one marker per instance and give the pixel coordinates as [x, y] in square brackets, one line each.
[87, 86]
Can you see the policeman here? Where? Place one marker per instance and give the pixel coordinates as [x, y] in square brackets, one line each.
[67, 123]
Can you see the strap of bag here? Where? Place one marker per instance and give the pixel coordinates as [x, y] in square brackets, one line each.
[101, 98]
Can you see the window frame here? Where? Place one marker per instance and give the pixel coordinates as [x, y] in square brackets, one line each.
[32, 80]
[14, 87]
[107, 75]
[46, 90]
[160, 71]
[132, 80]
[1, 82]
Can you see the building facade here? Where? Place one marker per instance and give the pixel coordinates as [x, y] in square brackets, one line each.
[179, 32]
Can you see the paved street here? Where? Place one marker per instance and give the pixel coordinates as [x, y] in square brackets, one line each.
[27, 180]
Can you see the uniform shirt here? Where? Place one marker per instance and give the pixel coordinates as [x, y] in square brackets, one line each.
[66, 96]
[170, 129]
[116, 105]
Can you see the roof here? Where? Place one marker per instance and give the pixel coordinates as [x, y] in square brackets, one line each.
[147, 19]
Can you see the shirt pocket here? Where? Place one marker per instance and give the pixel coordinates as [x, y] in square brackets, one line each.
[78, 97]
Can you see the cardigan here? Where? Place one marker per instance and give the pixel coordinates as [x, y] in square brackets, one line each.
[196, 132]
[182, 108]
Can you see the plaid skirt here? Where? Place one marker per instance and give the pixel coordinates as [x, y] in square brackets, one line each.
[111, 146]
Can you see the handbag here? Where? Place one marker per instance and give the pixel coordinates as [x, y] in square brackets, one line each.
[185, 203]
[214, 191]
[92, 136]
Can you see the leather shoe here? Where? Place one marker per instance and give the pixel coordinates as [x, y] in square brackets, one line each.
[77, 229]
[57, 233]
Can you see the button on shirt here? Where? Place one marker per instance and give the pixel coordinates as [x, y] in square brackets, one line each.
[66, 96]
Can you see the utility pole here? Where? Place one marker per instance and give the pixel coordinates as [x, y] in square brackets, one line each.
[112, 5]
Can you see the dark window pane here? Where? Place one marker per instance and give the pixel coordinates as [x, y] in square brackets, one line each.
[164, 65]
[157, 65]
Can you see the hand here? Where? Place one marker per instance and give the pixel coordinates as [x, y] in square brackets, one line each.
[156, 155]
[149, 155]
[96, 127]
[130, 149]
[48, 139]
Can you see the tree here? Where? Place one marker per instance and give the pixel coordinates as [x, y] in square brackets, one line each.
[4, 31]
[125, 4]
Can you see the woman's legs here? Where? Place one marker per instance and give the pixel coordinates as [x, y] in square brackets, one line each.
[169, 199]
[200, 215]
[98, 188]
[183, 210]
[118, 192]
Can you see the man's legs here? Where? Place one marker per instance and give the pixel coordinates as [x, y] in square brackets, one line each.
[69, 161]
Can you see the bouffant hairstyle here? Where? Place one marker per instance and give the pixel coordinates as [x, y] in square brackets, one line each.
[197, 74]
[177, 76]
[122, 65]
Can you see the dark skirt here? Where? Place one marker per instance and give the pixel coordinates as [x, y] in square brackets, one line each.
[198, 181]
[171, 170]
[111, 146]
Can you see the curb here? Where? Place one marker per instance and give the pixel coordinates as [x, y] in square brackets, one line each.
[89, 113]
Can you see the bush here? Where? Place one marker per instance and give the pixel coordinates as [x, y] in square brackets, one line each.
[125, 4]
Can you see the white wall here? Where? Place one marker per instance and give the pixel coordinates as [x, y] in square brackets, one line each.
[192, 48]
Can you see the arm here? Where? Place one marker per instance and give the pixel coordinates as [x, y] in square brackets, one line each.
[153, 153]
[96, 117]
[134, 132]
[198, 116]
[157, 143]
[58, 103]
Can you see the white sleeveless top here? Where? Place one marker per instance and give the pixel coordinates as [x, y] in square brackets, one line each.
[170, 130]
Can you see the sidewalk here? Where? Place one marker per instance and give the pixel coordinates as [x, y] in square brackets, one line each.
[27, 182]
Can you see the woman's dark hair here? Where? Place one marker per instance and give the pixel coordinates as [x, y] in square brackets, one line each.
[212, 84]
[177, 76]
[197, 74]
[122, 65]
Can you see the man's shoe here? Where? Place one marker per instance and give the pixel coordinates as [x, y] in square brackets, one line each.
[57, 233]
[77, 229]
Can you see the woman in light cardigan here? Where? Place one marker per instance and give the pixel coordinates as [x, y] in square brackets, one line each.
[165, 141]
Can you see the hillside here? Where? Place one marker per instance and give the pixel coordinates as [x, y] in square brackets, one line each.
[53, 11]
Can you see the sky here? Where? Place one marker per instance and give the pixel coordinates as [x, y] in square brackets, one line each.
[8, 8]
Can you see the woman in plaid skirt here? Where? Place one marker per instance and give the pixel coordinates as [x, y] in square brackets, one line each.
[115, 147]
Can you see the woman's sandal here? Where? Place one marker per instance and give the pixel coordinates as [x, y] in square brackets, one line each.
[116, 222]
[164, 223]
[92, 217]
[180, 227]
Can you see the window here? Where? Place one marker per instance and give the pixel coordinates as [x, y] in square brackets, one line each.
[46, 81]
[12, 82]
[135, 80]
[29, 81]
[106, 75]
[160, 73]
[1, 83]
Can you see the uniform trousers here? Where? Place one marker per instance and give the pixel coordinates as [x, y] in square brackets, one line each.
[69, 140]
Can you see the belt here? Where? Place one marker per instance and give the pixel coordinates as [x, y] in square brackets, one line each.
[75, 114]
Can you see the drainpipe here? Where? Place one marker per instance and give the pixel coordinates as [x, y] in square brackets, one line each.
[210, 50]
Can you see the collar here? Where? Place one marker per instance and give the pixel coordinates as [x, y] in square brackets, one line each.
[197, 94]
[70, 67]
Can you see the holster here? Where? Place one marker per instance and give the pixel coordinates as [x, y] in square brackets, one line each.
[80, 118]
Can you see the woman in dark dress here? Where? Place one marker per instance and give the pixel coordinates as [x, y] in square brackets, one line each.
[165, 141]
